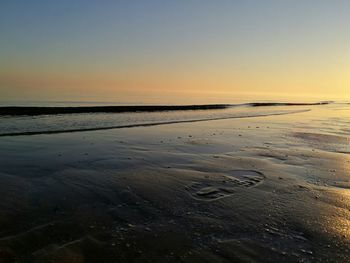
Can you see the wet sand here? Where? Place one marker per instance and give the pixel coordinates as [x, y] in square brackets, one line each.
[265, 189]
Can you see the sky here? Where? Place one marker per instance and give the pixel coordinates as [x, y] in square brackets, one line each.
[164, 50]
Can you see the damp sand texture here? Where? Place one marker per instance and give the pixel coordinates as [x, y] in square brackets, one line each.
[268, 188]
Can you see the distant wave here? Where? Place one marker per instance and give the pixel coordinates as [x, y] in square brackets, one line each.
[150, 124]
[35, 111]
[269, 104]
[32, 111]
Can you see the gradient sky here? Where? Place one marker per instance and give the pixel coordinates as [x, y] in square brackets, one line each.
[161, 49]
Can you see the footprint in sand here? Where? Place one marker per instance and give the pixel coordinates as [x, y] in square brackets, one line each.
[225, 184]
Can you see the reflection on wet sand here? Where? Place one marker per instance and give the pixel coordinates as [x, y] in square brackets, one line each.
[247, 190]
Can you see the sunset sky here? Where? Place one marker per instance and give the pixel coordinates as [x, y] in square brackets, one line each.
[129, 50]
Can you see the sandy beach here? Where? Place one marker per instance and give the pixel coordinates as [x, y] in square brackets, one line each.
[262, 189]
[174, 131]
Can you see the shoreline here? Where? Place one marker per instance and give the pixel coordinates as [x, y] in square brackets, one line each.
[147, 124]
